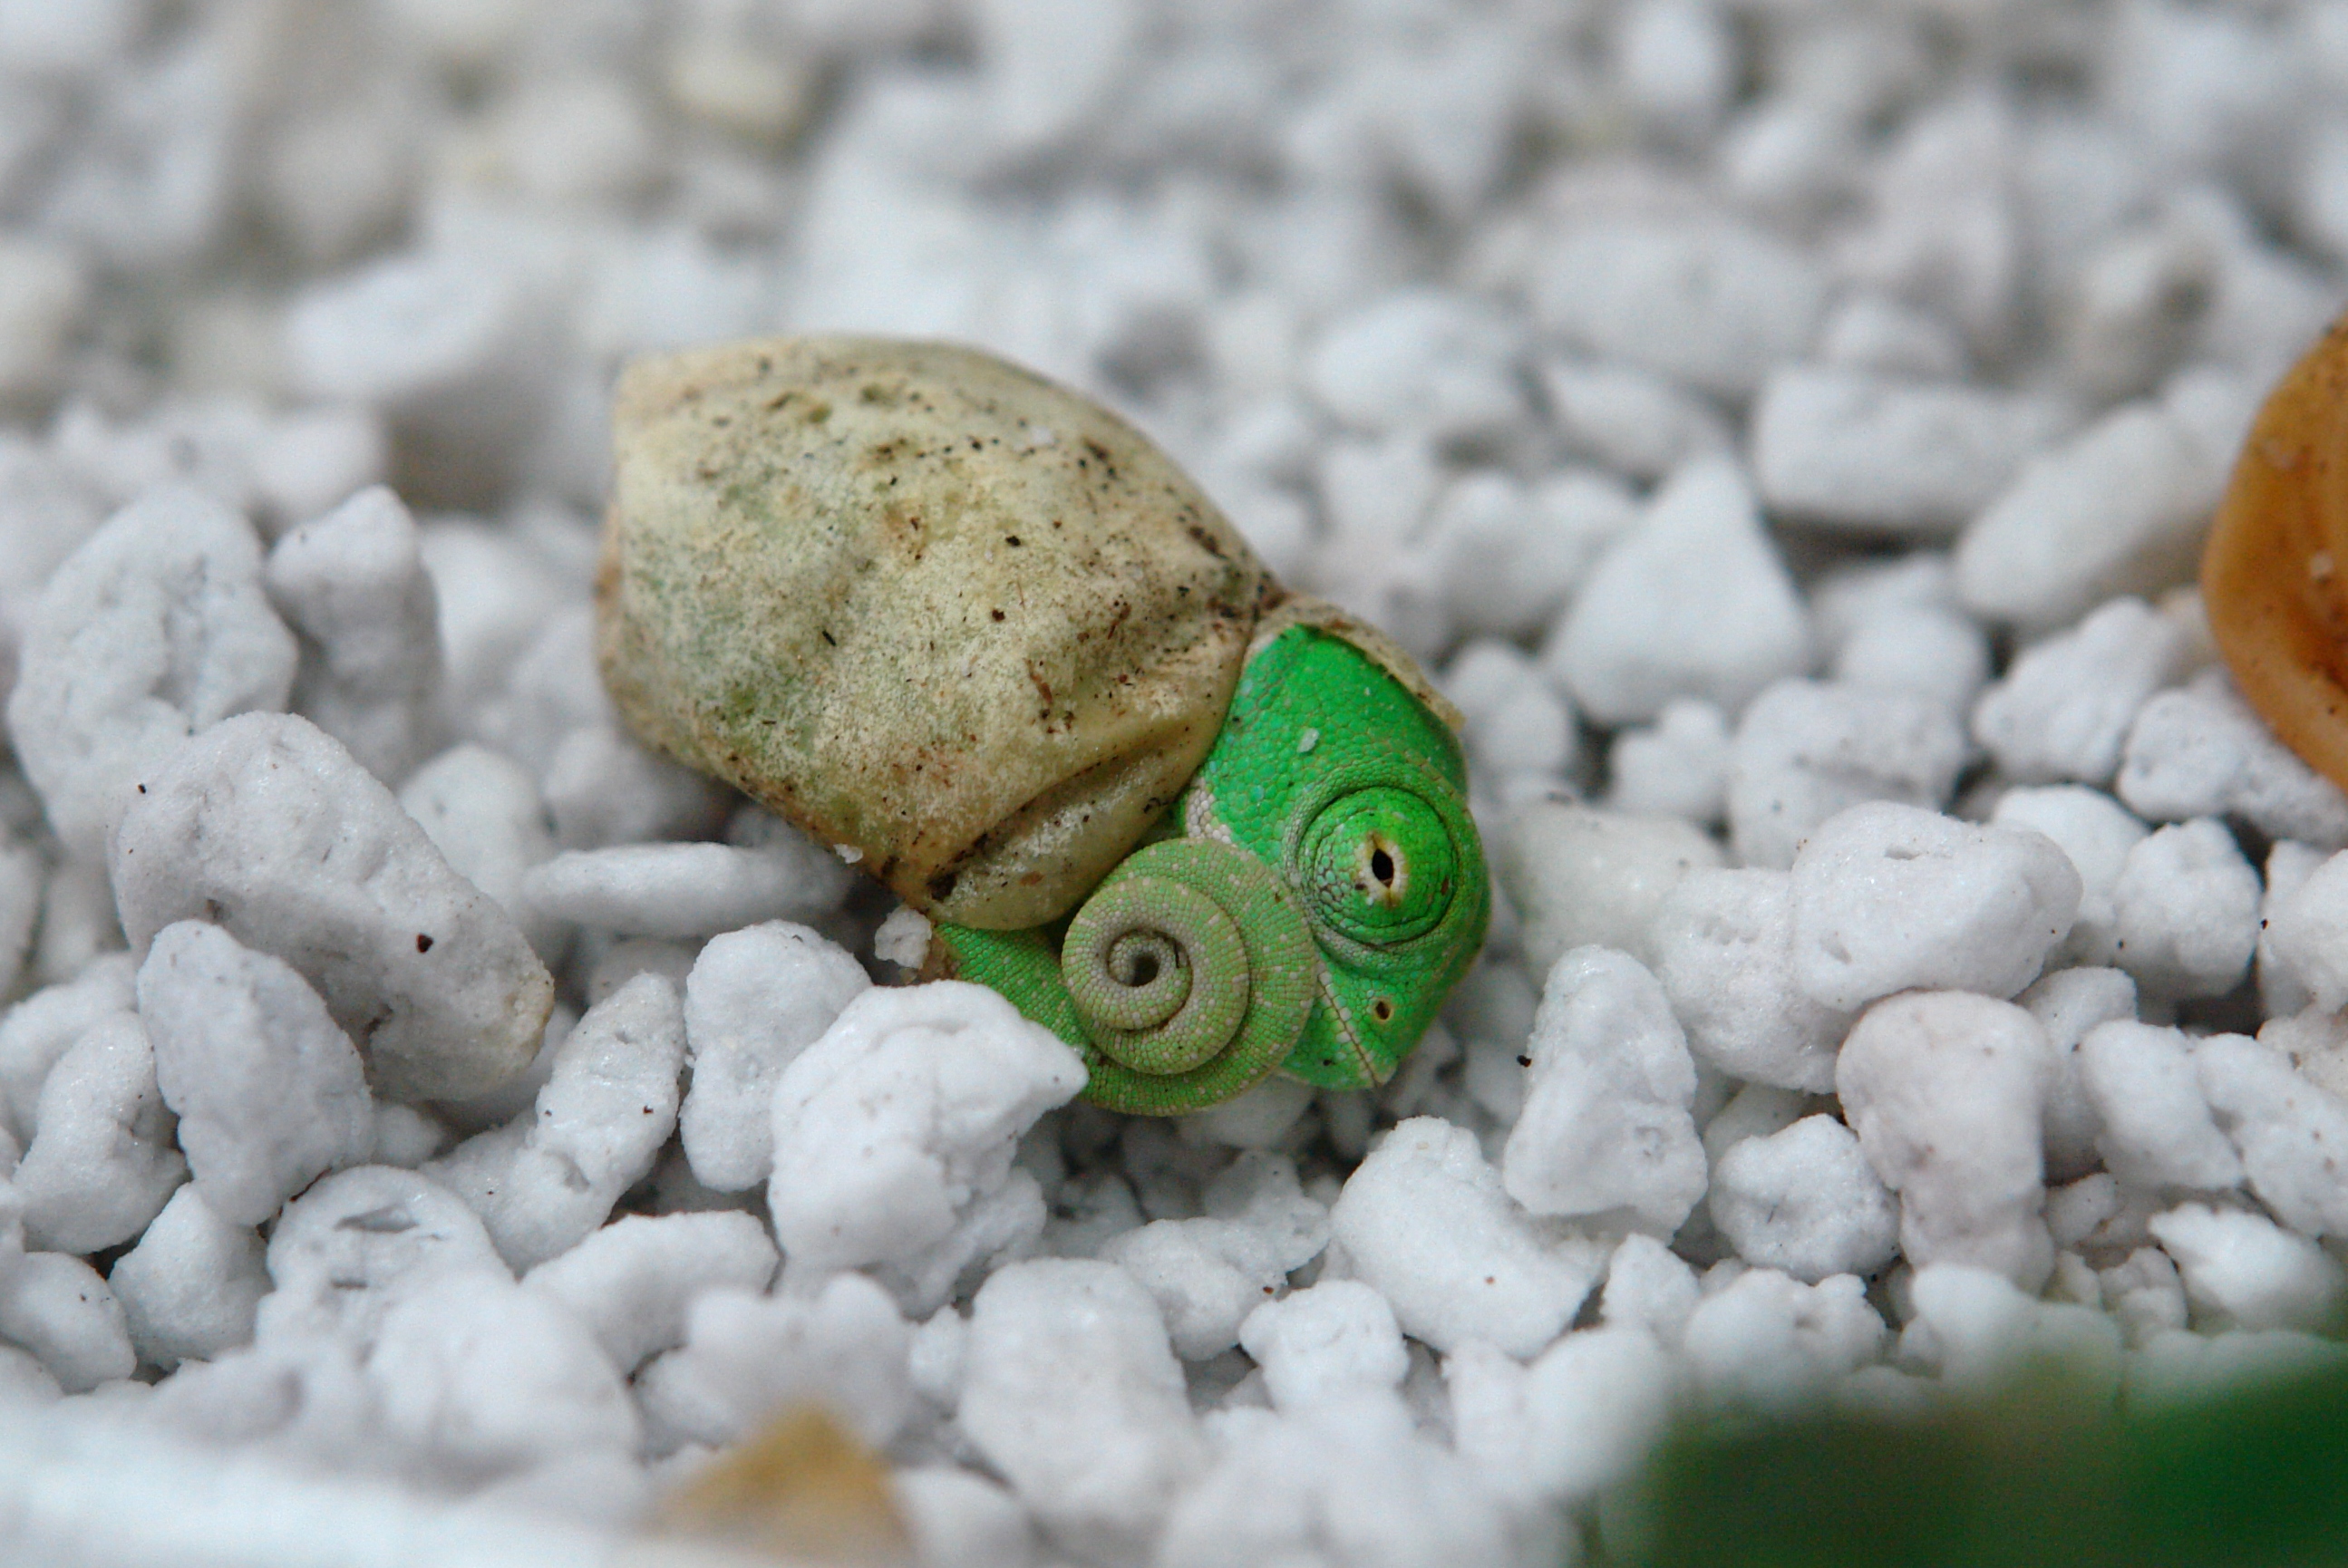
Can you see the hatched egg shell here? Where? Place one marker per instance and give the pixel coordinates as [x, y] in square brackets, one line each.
[924, 604]
[2274, 576]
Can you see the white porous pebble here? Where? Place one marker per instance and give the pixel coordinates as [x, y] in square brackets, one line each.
[1425, 1222]
[631, 1281]
[1649, 1287]
[2242, 1270]
[46, 292]
[266, 826]
[893, 1136]
[1846, 599]
[1353, 1485]
[22, 878]
[100, 1163]
[42, 1028]
[2186, 911]
[2118, 508]
[1326, 1344]
[2065, 709]
[1517, 723]
[603, 787]
[2307, 929]
[23, 1380]
[1693, 601]
[59, 1309]
[1210, 1272]
[353, 587]
[1724, 944]
[1887, 455]
[1581, 877]
[543, 1183]
[2067, 1004]
[962, 1519]
[756, 998]
[1764, 1339]
[190, 1287]
[1678, 64]
[747, 1356]
[1940, 654]
[1945, 1091]
[154, 630]
[345, 1249]
[1606, 1131]
[2315, 1044]
[685, 889]
[2284, 992]
[449, 345]
[1420, 360]
[2097, 834]
[519, 659]
[78, 930]
[1677, 766]
[481, 811]
[2290, 1132]
[51, 511]
[1261, 1118]
[1974, 1328]
[1754, 1110]
[1633, 421]
[1074, 1396]
[1705, 301]
[1807, 749]
[2157, 1127]
[1804, 1201]
[1579, 1419]
[1881, 335]
[2201, 751]
[2145, 1293]
[479, 1373]
[1510, 557]
[269, 1093]
[1888, 898]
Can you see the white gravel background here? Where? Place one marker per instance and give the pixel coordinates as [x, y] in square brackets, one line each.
[1785, 426]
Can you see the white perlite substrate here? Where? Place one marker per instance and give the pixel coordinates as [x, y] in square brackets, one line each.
[1784, 432]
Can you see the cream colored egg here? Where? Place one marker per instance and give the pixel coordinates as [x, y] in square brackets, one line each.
[922, 603]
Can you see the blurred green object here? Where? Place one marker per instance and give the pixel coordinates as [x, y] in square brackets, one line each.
[2256, 1475]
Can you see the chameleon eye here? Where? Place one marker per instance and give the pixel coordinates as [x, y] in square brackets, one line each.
[1379, 865]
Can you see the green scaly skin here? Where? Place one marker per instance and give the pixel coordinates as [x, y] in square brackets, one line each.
[1317, 891]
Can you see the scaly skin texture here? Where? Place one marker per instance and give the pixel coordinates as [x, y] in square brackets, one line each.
[1326, 892]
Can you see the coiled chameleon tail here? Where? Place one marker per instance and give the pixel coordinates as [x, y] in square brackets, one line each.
[1329, 893]
[1184, 980]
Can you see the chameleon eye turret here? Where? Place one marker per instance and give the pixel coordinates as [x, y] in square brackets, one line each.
[943, 613]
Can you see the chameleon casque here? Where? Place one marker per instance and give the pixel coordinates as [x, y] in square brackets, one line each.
[974, 631]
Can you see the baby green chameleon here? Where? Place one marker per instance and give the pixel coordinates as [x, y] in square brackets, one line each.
[1326, 892]
[977, 633]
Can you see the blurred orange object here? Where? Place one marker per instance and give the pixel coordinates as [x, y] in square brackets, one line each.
[802, 1489]
[2274, 574]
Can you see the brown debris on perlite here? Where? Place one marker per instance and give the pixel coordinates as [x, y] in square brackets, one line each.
[2274, 574]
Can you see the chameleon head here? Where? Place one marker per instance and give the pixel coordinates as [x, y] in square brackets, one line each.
[1322, 892]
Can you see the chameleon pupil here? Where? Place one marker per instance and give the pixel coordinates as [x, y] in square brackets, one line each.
[1375, 865]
